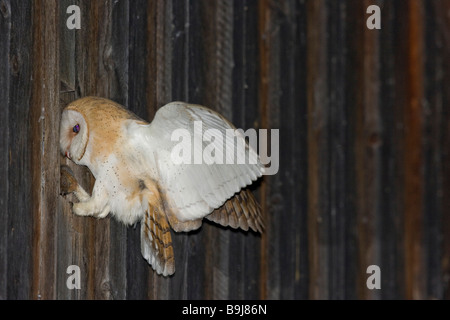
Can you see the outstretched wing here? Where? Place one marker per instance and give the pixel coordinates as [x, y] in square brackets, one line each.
[192, 191]
[156, 241]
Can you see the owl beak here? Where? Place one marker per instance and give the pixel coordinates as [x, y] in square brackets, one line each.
[67, 154]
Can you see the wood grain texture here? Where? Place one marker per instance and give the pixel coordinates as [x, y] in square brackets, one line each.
[263, 26]
[244, 281]
[5, 39]
[159, 79]
[340, 221]
[318, 121]
[437, 201]
[432, 133]
[44, 121]
[16, 274]
[413, 155]
[367, 152]
[391, 146]
[364, 174]
[218, 94]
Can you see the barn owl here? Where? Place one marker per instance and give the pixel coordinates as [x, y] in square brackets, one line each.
[138, 181]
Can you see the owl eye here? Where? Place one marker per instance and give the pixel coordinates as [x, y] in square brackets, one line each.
[76, 128]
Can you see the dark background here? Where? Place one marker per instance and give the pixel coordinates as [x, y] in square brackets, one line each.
[364, 126]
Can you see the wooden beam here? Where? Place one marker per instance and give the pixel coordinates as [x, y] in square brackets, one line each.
[44, 120]
[414, 264]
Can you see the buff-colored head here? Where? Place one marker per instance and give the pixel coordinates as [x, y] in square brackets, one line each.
[90, 127]
[74, 135]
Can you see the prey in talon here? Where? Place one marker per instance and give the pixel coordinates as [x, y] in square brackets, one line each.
[68, 183]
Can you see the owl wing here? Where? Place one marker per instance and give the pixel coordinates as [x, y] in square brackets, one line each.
[241, 211]
[156, 241]
[192, 191]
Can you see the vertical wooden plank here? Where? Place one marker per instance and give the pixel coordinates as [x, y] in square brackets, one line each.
[275, 198]
[73, 231]
[433, 124]
[99, 84]
[367, 142]
[189, 84]
[317, 157]
[299, 123]
[164, 52]
[140, 17]
[19, 226]
[351, 79]
[15, 34]
[180, 43]
[270, 267]
[432, 129]
[86, 69]
[245, 255]
[238, 279]
[179, 18]
[212, 241]
[219, 59]
[5, 79]
[44, 120]
[67, 236]
[196, 28]
[445, 154]
[288, 108]
[340, 258]
[137, 270]
[414, 267]
[391, 218]
[442, 96]
[160, 93]
[67, 48]
[268, 255]
[118, 68]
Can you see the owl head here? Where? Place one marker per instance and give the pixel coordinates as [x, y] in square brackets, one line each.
[90, 126]
[74, 134]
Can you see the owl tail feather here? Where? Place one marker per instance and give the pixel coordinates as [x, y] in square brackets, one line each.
[240, 211]
[156, 241]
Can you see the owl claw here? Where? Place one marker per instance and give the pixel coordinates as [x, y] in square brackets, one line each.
[68, 183]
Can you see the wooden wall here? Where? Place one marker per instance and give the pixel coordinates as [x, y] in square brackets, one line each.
[364, 146]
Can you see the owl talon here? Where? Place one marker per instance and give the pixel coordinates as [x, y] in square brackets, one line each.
[68, 183]
[80, 209]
